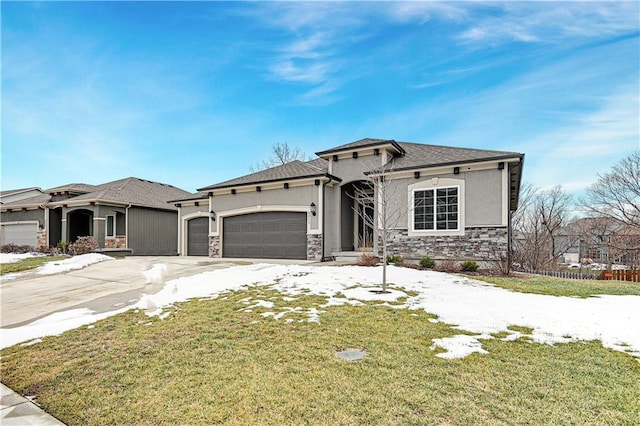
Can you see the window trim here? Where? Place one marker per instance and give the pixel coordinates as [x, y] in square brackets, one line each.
[435, 184]
[106, 226]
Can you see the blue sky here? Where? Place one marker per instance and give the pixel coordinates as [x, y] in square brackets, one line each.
[195, 93]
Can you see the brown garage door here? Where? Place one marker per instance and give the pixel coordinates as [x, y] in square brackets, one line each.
[268, 235]
[198, 237]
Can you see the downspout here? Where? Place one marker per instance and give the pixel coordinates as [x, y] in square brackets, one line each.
[126, 227]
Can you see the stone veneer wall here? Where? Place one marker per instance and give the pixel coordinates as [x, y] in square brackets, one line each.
[214, 246]
[41, 239]
[480, 244]
[117, 242]
[314, 247]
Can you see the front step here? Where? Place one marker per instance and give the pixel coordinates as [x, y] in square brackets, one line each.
[349, 256]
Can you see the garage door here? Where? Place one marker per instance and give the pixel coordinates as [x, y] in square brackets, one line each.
[268, 235]
[22, 234]
[198, 237]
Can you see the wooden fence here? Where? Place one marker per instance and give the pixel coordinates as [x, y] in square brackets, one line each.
[632, 275]
[566, 274]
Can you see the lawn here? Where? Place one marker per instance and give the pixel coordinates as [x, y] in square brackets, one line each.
[539, 284]
[219, 360]
[27, 264]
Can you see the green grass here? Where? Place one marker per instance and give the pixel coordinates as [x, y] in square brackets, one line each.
[26, 264]
[539, 284]
[212, 362]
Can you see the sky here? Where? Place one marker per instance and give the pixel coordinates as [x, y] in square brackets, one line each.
[192, 94]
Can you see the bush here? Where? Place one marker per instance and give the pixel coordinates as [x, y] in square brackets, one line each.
[427, 262]
[63, 246]
[395, 258]
[14, 248]
[368, 260]
[448, 266]
[83, 245]
[469, 266]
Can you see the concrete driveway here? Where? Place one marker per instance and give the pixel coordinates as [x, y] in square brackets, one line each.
[101, 287]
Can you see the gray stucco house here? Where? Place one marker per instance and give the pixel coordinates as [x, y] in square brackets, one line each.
[131, 214]
[456, 204]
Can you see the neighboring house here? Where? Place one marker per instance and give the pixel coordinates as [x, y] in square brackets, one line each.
[457, 205]
[602, 240]
[131, 213]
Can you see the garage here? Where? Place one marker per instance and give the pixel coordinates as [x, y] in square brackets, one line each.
[267, 235]
[22, 234]
[198, 237]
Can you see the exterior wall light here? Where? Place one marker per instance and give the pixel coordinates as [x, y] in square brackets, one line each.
[314, 209]
[212, 215]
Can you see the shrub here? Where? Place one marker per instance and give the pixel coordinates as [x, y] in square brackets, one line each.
[395, 258]
[448, 266]
[14, 248]
[83, 245]
[469, 266]
[368, 260]
[63, 246]
[427, 262]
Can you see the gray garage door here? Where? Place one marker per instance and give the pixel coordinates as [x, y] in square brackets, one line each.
[198, 237]
[269, 235]
[22, 234]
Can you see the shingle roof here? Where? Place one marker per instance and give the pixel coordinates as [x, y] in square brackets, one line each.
[72, 187]
[135, 191]
[420, 155]
[293, 170]
[362, 143]
[7, 192]
[31, 201]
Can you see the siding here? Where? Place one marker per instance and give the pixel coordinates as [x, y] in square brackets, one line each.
[24, 215]
[153, 232]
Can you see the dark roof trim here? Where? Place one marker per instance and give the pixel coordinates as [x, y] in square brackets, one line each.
[192, 198]
[359, 147]
[214, 187]
[449, 163]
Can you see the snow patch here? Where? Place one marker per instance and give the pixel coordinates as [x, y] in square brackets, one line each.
[458, 346]
[16, 257]
[155, 274]
[73, 263]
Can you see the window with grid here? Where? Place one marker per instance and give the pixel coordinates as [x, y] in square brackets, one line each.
[435, 209]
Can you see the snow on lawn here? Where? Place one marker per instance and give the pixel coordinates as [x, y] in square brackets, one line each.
[16, 257]
[468, 305]
[75, 262]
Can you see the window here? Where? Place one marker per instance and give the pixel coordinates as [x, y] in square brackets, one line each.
[111, 226]
[436, 209]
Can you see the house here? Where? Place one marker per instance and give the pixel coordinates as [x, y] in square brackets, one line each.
[130, 214]
[456, 203]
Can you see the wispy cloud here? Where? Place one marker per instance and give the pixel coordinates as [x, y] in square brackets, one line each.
[556, 21]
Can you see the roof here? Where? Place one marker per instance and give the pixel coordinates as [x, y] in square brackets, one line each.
[36, 200]
[293, 170]
[8, 192]
[135, 191]
[362, 143]
[421, 155]
[72, 187]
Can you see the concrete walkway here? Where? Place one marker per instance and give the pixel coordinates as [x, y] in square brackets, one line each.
[16, 410]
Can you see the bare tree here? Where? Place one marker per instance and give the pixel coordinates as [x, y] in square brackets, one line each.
[542, 227]
[281, 153]
[616, 195]
[381, 191]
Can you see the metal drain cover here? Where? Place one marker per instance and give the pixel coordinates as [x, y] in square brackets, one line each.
[351, 354]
